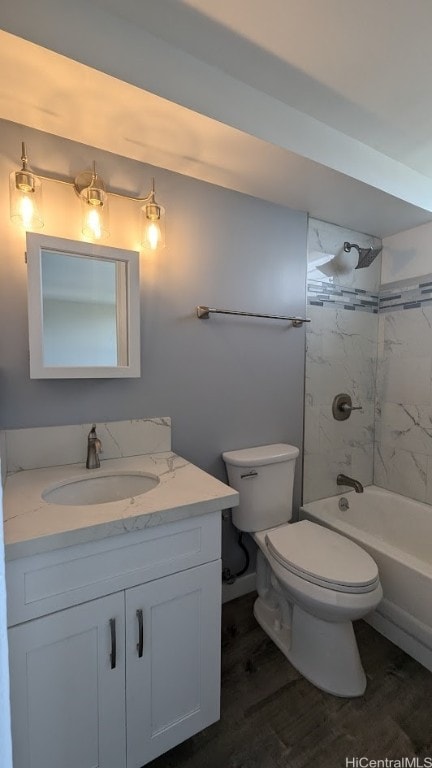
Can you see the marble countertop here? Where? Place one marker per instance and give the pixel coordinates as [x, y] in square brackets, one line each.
[32, 525]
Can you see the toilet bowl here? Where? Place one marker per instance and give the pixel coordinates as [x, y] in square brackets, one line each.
[311, 582]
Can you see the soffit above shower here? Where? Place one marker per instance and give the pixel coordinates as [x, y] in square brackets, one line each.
[208, 111]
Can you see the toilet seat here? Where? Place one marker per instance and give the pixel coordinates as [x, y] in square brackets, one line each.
[321, 556]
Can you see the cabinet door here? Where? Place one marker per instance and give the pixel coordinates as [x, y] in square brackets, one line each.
[68, 703]
[173, 688]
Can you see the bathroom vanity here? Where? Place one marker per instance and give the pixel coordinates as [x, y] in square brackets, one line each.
[114, 614]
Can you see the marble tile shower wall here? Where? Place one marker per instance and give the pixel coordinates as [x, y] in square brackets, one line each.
[341, 356]
[403, 455]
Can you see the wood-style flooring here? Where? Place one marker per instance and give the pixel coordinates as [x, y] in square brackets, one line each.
[271, 717]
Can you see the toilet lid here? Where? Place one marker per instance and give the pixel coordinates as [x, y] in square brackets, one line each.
[321, 555]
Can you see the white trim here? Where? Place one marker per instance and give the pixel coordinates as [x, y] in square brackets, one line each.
[5, 732]
[38, 370]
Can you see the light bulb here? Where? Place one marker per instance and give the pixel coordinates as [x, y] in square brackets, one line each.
[153, 235]
[95, 219]
[94, 223]
[152, 225]
[94, 204]
[26, 211]
[25, 190]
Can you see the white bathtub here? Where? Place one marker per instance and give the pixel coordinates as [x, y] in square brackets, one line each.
[397, 533]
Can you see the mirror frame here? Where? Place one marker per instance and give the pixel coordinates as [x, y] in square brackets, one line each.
[38, 370]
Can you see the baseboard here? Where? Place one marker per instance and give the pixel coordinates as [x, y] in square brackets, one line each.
[242, 586]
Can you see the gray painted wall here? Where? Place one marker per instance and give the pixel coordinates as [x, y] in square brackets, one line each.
[226, 382]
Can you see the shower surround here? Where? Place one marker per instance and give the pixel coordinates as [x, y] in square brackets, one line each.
[375, 343]
[341, 356]
[403, 426]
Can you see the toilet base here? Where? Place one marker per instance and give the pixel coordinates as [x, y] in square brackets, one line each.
[324, 652]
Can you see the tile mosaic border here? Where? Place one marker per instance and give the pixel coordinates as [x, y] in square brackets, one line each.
[412, 293]
[322, 294]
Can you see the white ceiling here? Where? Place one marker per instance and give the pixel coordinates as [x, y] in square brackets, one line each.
[320, 105]
[363, 68]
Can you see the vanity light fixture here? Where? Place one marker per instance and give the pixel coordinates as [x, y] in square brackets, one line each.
[26, 205]
[91, 190]
[26, 195]
[152, 223]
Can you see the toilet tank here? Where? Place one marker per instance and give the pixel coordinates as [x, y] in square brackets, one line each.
[264, 478]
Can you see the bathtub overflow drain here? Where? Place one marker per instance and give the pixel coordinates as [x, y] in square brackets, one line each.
[343, 504]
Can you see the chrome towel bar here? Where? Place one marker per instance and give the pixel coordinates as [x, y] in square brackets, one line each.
[204, 313]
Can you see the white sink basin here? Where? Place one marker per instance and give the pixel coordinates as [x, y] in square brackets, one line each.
[100, 489]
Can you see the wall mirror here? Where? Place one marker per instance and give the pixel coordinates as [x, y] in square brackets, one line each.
[83, 309]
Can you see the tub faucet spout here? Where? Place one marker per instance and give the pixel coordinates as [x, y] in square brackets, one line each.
[345, 480]
[94, 447]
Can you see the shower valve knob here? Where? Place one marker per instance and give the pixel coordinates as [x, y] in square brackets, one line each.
[342, 407]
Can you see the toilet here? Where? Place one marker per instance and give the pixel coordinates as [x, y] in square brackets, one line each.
[311, 581]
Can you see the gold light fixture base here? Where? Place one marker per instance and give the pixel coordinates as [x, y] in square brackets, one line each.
[82, 181]
[25, 180]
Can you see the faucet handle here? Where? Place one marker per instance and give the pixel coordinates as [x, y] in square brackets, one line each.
[346, 408]
[95, 440]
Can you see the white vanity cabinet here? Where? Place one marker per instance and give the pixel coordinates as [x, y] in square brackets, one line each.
[172, 689]
[115, 646]
[67, 703]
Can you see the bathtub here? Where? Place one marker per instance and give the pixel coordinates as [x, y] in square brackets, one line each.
[397, 533]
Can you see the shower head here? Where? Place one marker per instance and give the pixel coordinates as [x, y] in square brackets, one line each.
[366, 255]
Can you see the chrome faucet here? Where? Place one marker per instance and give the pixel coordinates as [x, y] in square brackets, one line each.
[94, 447]
[345, 480]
